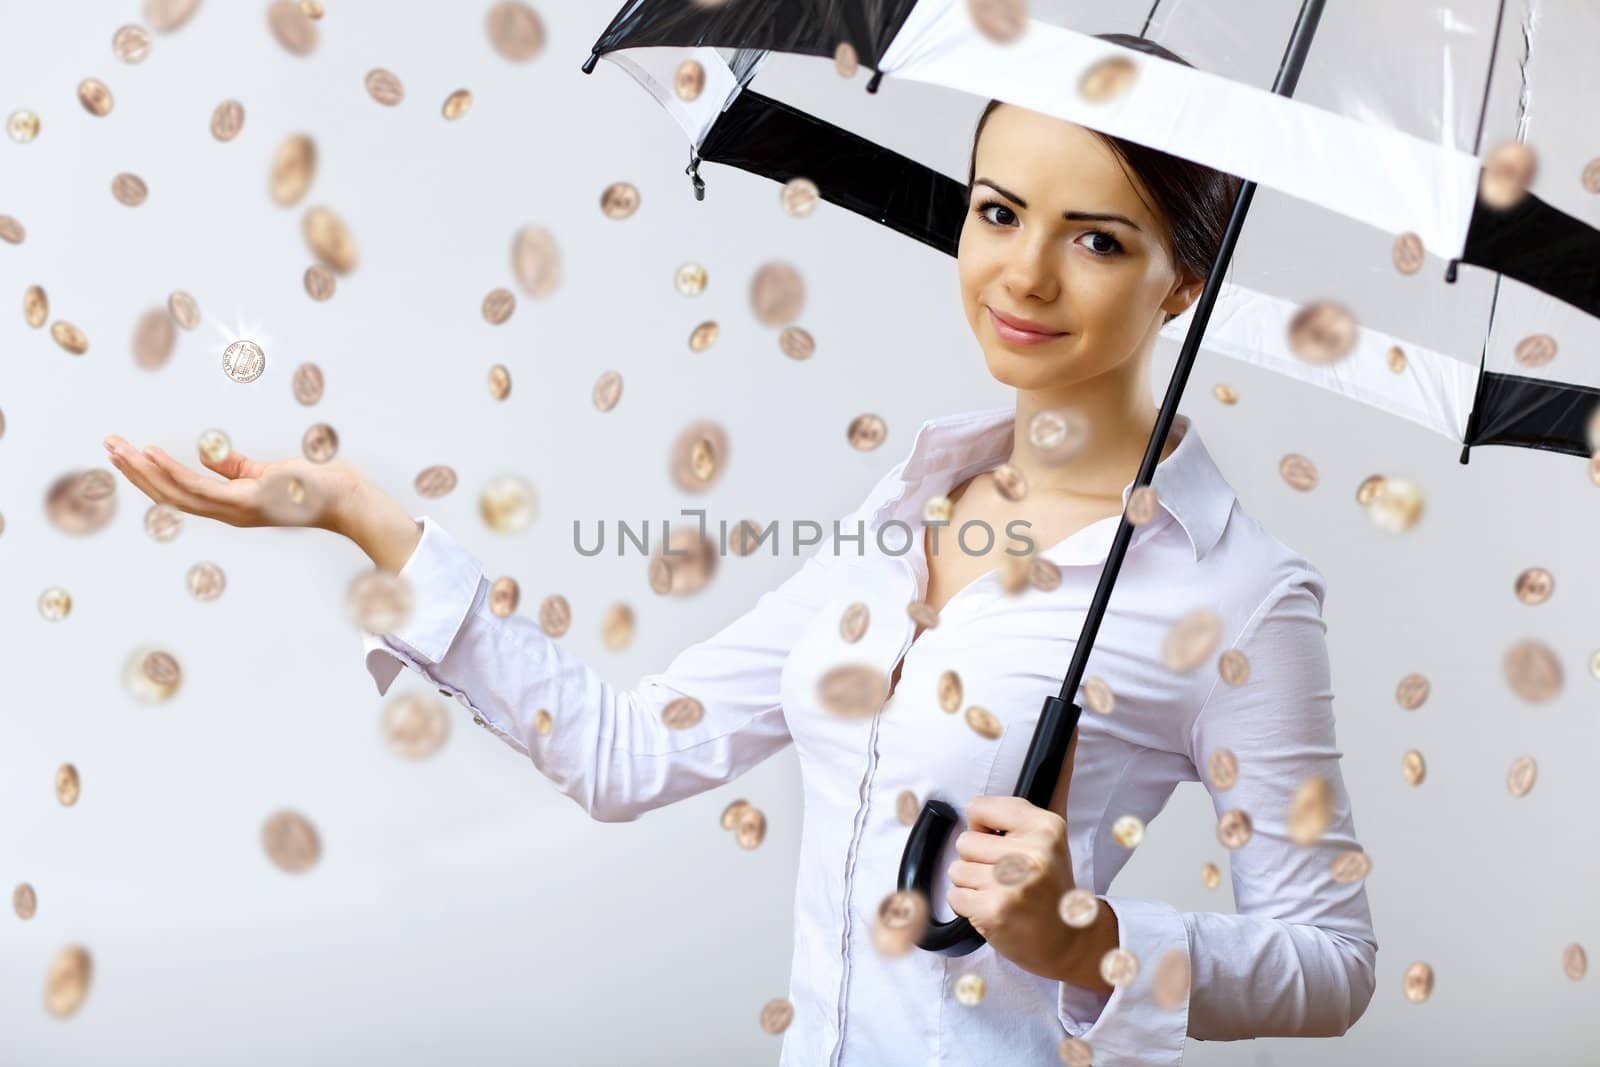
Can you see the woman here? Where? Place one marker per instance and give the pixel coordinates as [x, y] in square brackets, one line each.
[1076, 249]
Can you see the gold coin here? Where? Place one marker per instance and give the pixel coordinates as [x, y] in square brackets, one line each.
[853, 622]
[1192, 640]
[67, 983]
[292, 27]
[689, 81]
[682, 713]
[12, 232]
[1322, 332]
[319, 443]
[379, 602]
[1350, 866]
[1407, 253]
[1119, 967]
[799, 197]
[852, 690]
[949, 690]
[703, 336]
[1507, 173]
[164, 16]
[1225, 394]
[777, 293]
[796, 343]
[94, 96]
[183, 308]
[1210, 875]
[1520, 778]
[1413, 767]
[543, 723]
[1222, 769]
[504, 594]
[690, 279]
[24, 901]
[415, 725]
[751, 828]
[923, 614]
[984, 723]
[498, 306]
[1128, 831]
[163, 522]
[1078, 908]
[1097, 696]
[1142, 505]
[1369, 489]
[845, 60]
[1397, 359]
[330, 240]
[294, 164]
[536, 261]
[1013, 868]
[290, 841]
[131, 43]
[515, 31]
[129, 189]
[307, 383]
[969, 989]
[731, 813]
[499, 381]
[243, 361]
[901, 920]
[153, 338]
[227, 119]
[699, 456]
[1398, 505]
[1417, 982]
[1058, 434]
[1107, 78]
[67, 786]
[1169, 982]
[1535, 585]
[205, 581]
[692, 563]
[866, 432]
[384, 86]
[214, 445]
[555, 615]
[1533, 670]
[1075, 1052]
[776, 1015]
[55, 603]
[1574, 961]
[619, 200]
[1310, 810]
[907, 807]
[435, 481]
[1234, 828]
[1298, 472]
[456, 104]
[1234, 667]
[35, 306]
[1535, 350]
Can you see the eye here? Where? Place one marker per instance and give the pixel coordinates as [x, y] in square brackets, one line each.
[986, 205]
[1113, 249]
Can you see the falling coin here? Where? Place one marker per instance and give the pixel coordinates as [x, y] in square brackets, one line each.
[1413, 767]
[1591, 176]
[499, 381]
[776, 1015]
[1535, 585]
[95, 97]
[703, 336]
[536, 261]
[504, 595]
[214, 445]
[1322, 332]
[777, 293]
[1397, 507]
[1210, 875]
[1233, 667]
[1523, 773]
[682, 713]
[1013, 868]
[1142, 505]
[1191, 640]
[243, 361]
[319, 443]
[183, 308]
[1233, 829]
[984, 722]
[290, 841]
[24, 901]
[12, 232]
[866, 432]
[164, 16]
[1418, 982]
[319, 282]
[67, 983]
[731, 813]
[689, 81]
[205, 581]
[907, 807]
[67, 787]
[619, 200]
[1057, 434]
[751, 828]
[691, 564]
[853, 623]
[969, 989]
[1075, 1052]
[330, 240]
[78, 503]
[153, 338]
[435, 481]
[129, 189]
[1298, 472]
[1535, 350]
[1310, 810]
[1010, 482]
[1412, 692]
[1128, 831]
[1001, 21]
[922, 614]
[555, 615]
[543, 723]
[163, 522]
[1407, 253]
[498, 306]
[1397, 359]
[1574, 962]
[55, 604]
[1107, 79]
[227, 119]
[1078, 908]
[1507, 173]
[845, 60]
[699, 456]
[852, 690]
[1169, 982]
[799, 197]
[515, 31]
[690, 279]
[379, 602]
[1369, 489]
[384, 87]
[949, 691]
[1533, 671]
[415, 725]
[900, 922]
[456, 104]
[292, 27]
[294, 164]
[1097, 696]
[1119, 967]
[1222, 769]
[307, 383]
[1225, 394]
[289, 500]
[1350, 866]
[131, 44]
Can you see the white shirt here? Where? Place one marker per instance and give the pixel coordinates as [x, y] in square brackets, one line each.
[1297, 958]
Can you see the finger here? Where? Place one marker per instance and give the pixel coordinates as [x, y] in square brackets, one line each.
[234, 465]
[970, 875]
[967, 903]
[138, 475]
[217, 493]
[1009, 814]
[980, 846]
[158, 485]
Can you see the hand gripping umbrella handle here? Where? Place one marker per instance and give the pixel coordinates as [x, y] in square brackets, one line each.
[1041, 770]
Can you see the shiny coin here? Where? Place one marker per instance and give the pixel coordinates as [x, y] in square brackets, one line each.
[1310, 810]
[1407, 253]
[699, 456]
[1057, 434]
[1142, 505]
[164, 16]
[1210, 875]
[1222, 769]
[319, 443]
[1322, 332]
[214, 446]
[543, 723]
[1535, 585]
[131, 44]
[731, 813]
[1520, 778]
[907, 807]
[1397, 359]
[384, 86]
[66, 985]
[499, 381]
[1417, 982]
[307, 383]
[1010, 482]
[12, 232]
[776, 1015]
[205, 581]
[498, 305]
[1535, 350]
[1075, 1052]
[1013, 868]
[682, 713]
[67, 785]
[36, 306]
[853, 623]
[845, 60]
[94, 96]
[969, 989]
[69, 337]
[1397, 507]
[689, 81]
[1369, 489]
[55, 603]
[555, 615]
[129, 189]
[1412, 692]
[777, 293]
[949, 691]
[703, 336]
[1128, 831]
[852, 690]
[294, 164]
[319, 282]
[1078, 908]
[1106, 79]
[292, 27]
[1507, 172]
[984, 722]
[1574, 962]
[1413, 767]
[901, 920]
[291, 842]
[184, 309]
[607, 390]
[153, 338]
[515, 31]
[24, 901]
[690, 279]
[1169, 982]
[1298, 472]
[415, 725]
[866, 432]
[163, 522]
[799, 197]
[536, 261]
[227, 119]
[81, 502]
[1234, 828]
[243, 361]
[456, 104]
[1097, 696]
[691, 564]
[796, 343]
[435, 481]
[1191, 641]
[504, 595]
[923, 614]
[619, 200]
[330, 240]
[1225, 394]
[751, 828]
[379, 602]
[1350, 866]
[1533, 670]
[1119, 967]
[1233, 667]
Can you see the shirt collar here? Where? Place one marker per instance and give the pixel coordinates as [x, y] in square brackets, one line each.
[950, 449]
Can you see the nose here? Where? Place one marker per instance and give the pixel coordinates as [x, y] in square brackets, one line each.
[1032, 269]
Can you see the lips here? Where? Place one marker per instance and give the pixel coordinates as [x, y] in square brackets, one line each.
[1021, 331]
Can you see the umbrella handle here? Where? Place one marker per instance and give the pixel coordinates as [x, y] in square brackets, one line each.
[1041, 770]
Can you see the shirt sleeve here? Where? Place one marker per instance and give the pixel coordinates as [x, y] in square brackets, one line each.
[604, 746]
[1298, 957]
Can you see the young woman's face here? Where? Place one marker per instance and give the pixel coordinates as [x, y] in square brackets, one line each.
[1102, 283]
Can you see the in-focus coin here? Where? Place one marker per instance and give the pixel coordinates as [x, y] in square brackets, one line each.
[330, 240]
[164, 16]
[1520, 778]
[1533, 671]
[1234, 828]
[35, 306]
[776, 1015]
[1233, 667]
[853, 622]
[153, 338]
[1369, 489]
[1407, 253]
[151, 675]
[607, 390]
[227, 119]
[294, 164]
[504, 595]
[682, 712]
[1169, 982]
[1310, 810]
[1349, 866]
[515, 31]
[379, 602]
[131, 43]
[751, 828]
[900, 922]
[24, 901]
[984, 723]
[777, 293]
[499, 381]
[1057, 434]
[1535, 350]
[1225, 394]
[1142, 505]
[949, 691]
[1192, 640]
[689, 80]
[619, 200]
[969, 989]
[1298, 472]
[555, 615]
[1412, 692]
[498, 304]
[55, 603]
[12, 232]
[456, 104]
[1106, 79]
[1222, 769]
[67, 983]
[1397, 359]
[320, 442]
[1075, 1052]
[435, 481]
[699, 456]
[415, 725]
[799, 197]
[307, 383]
[184, 309]
[95, 96]
[1507, 172]
[866, 432]
[290, 841]
[384, 86]
[845, 60]
[1119, 967]
[1413, 767]
[690, 279]
[1398, 505]
[1097, 695]
[1210, 875]
[214, 445]
[1078, 908]
[852, 690]
[67, 785]
[1535, 585]
[129, 189]
[703, 336]
[907, 807]
[205, 581]
[1574, 962]
[1322, 332]
[536, 261]
[292, 27]
[796, 343]
[1417, 982]
[163, 522]
[243, 361]
[1128, 831]
[319, 282]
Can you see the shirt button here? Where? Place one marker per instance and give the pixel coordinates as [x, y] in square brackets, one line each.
[479, 720]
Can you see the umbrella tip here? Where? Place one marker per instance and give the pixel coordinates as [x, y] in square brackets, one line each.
[1450, 276]
[872, 86]
[588, 64]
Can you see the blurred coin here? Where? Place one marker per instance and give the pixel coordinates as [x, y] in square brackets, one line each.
[291, 842]
[900, 922]
[950, 691]
[380, 602]
[1533, 670]
[1210, 875]
[619, 200]
[1057, 434]
[504, 594]
[384, 87]
[319, 443]
[183, 308]
[1001, 21]
[751, 828]
[456, 104]
[1298, 472]
[67, 786]
[699, 456]
[777, 293]
[852, 690]
[687, 561]
[164, 16]
[776, 1015]
[515, 31]
[1413, 767]
[11, 231]
[435, 481]
[607, 390]
[243, 361]
[227, 119]
[499, 381]
[507, 504]
[214, 445]
[690, 279]
[294, 30]
[76, 505]
[1142, 505]
[1169, 983]
[1233, 667]
[1397, 506]
[312, 8]
[907, 807]
[1507, 173]
[731, 813]
[1233, 829]
[984, 723]
[1191, 641]
[294, 164]
[151, 675]
[555, 615]
[205, 581]
[845, 60]
[1119, 967]
[1407, 253]
[1574, 962]
[163, 522]
[1523, 773]
[922, 614]
[1369, 489]
[1350, 866]
[799, 197]
[542, 722]
[498, 305]
[330, 240]
[1417, 982]
[1310, 810]
[1097, 696]
[129, 189]
[866, 432]
[1222, 769]
[1225, 394]
[1535, 585]
[1128, 831]
[289, 500]
[35, 306]
[307, 383]
[1412, 692]
[131, 43]
[703, 336]
[682, 713]
[66, 984]
[95, 97]
[1535, 350]
[1075, 1052]
[24, 901]
[853, 623]
[689, 81]
[55, 603]
[319, 282]
[1591, 176]
[1107, 78]
[1322, 332]
[536, 261]
[415, 725]
[747, 537]
[969, 989]
[153, 338]
[1010, 482]
[1078, 908]
[1397, 359]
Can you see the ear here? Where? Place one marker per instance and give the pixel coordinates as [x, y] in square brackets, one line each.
[1184, 292]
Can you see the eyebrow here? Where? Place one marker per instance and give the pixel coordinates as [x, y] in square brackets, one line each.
[1070, 216]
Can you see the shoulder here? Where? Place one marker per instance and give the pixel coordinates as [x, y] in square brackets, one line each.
[1251, 570]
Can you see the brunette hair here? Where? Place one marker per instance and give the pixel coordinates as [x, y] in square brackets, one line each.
[1194, 200]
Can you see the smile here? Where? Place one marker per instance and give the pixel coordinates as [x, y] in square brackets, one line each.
[1015, 334]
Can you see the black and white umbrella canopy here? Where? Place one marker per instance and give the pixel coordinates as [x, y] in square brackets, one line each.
[1494, 340]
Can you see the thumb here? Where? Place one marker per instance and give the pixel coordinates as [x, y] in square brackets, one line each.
[234, 465]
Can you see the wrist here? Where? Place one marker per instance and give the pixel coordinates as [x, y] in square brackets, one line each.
[1080, 964]
[378, 525]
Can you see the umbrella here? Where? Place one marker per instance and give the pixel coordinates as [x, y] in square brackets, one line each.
[1383, 138]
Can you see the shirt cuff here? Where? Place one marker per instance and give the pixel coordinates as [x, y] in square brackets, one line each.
[444, 577]
[1126, 1027]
